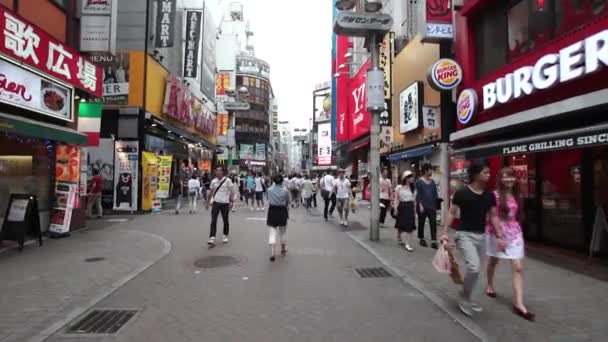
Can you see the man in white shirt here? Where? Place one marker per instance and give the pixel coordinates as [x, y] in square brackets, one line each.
[343, 196]
[327, 192]
[307, 192]
[385, 195]
[294, 190]
[259, 191]
[194, 189]
[315, 186]
[222, 197]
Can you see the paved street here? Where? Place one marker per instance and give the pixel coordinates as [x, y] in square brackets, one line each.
[311, 295]
[569, 306]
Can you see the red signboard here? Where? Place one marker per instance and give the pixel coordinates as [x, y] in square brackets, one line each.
[222, 83]
[342, 119]
[27, 43]
[439, 11]
[222, 124]
[359, 117]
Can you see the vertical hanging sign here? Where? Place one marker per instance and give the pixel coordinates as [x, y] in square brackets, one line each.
[165, 23]
[437, 21]
[193, 37]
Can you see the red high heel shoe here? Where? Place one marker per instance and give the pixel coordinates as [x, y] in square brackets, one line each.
[528, 316]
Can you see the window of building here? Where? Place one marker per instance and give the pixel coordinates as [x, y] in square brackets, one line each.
[506, 30]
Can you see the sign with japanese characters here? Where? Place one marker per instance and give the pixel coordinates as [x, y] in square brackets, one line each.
[193, 36]
[22, 88]
[252, 66]
[430, 117]
[260, 151]
[103, 7]
[386, 117]
[94, 33]
[28, 44]
[386, 62]
[410, 107]
[222, 83]
[165, 23]
[437, 21]
[360, 24]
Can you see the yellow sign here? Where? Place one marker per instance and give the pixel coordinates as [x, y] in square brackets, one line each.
[164, 176]
[149, 179]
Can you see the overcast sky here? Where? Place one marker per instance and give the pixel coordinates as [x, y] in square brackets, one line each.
[296, 44]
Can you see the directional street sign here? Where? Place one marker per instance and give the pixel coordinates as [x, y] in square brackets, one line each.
[236, 106]
[359, 24]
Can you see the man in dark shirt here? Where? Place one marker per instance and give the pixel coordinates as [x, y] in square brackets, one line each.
[475, 203]
[426, 199]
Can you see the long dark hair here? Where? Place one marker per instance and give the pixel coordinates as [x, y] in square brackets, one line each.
[503, 205]
[404, 182]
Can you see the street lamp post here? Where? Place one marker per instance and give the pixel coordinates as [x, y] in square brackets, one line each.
[370, 25]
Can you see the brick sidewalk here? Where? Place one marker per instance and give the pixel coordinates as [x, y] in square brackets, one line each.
[569, 306]
[44, 288]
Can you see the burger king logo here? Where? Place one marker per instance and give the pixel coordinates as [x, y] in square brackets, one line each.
[445, 74]
[466, 106]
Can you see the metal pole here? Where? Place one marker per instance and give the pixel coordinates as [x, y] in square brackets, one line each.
[374, 153]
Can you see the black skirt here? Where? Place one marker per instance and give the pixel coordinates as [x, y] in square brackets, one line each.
[406, 217]
[277, 216]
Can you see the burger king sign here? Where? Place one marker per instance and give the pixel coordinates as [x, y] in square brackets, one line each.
[466, 106]
[445, 74]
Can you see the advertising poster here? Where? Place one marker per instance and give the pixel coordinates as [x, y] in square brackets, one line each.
[324, 145]
[246, 151]
[359, 118]
[67, 168]
[260, 151]
[61, 216]
[149, 179]
[115, 76]
[125, 175]
[101, 158]
[164, 176]
[410, 107]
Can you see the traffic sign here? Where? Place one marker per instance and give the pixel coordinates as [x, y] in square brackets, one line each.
[360, 24]
[236, 106]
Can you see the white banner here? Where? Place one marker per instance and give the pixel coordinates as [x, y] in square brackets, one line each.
[324, 144]
[22, 88]
[410, 107]
[126, 165]
[260, 151]
[95, 33]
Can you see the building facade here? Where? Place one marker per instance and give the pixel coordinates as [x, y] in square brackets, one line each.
[533, 98]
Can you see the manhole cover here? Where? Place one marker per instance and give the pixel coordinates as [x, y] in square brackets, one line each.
[215, 261]
[372, 272]
[94, 259]
[102, 322]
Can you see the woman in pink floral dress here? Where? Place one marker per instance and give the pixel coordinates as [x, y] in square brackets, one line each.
[508, 208]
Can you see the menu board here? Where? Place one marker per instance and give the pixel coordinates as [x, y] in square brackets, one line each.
[61, 216]
[164, 176]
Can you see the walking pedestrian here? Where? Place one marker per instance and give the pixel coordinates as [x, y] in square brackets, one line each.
[307, 189]
[250, 190]
[404, 202]
[476, 206]
[385, 195]
[278, 213]
[508, 212]
[328, 194]
[222, 197]
[343, 194]
[235, 179]
[427, 199]
[205, 182]
[315, 188]
[95, 194]
[182, 178]
[294, 191]
[194, 189]
[260, 187]
[300, 183]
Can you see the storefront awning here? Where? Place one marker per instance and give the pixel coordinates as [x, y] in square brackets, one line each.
[357, 144]
[184, 133]
[414, 152]
[36, 129]
[562, 140]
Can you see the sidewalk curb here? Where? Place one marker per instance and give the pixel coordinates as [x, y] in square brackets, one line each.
[49, 331]
[416, 283]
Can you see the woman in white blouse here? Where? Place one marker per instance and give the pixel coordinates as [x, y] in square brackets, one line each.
[404, 201]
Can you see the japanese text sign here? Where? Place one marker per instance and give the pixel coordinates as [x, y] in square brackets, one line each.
[27, 43]
[438, 24]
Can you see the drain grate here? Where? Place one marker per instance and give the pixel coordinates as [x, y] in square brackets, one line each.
[102, 322]
[95, 259]
[373, 272]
